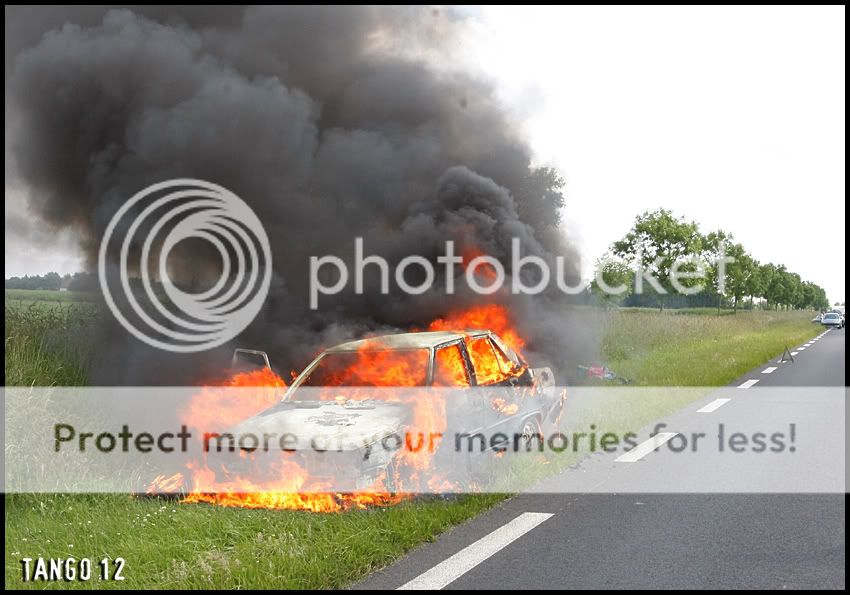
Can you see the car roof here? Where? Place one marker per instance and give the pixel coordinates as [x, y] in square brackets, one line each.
[423, 340]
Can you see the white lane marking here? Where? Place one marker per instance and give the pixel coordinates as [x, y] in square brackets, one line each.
[645, 447]
[748, 383]
[769, 370]
[713, 406]
[474, 554]
[793, 353]
[803, 348]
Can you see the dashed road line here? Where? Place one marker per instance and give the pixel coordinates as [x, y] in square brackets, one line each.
[474, 554]
[793, 353]
[645, 447]
[748, 383]
[713, 406]
[769, 370]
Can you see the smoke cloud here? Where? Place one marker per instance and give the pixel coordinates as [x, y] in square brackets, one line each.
[331, 123]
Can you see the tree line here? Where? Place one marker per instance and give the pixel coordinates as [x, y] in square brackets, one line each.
[661, 244]
[54, 281]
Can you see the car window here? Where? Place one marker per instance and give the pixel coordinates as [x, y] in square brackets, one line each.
[508, 367]
[509, 353]
[449, 367]
[370, 368]
[487, 367]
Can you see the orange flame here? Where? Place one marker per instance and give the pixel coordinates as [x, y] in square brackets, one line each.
[494, 317]
[212, 409]
[281, 494]
[482, 268]
[369, 366]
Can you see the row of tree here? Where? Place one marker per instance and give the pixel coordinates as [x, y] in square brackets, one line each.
[53, 281]
[660, 243]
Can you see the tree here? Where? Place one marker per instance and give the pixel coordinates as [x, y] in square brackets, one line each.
[773, 291]
[738, 273]
[755, 282]
[796, 296]
[821, 303]
[811, 296]
[720, 244]
[614, 274]
[540, 197]
[52, 281]
[48, 281]
[656, 242]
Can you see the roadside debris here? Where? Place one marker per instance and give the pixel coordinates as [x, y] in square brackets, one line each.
[601, 372]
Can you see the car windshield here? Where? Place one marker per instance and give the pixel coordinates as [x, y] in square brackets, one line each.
[830, 315]
[407, 367]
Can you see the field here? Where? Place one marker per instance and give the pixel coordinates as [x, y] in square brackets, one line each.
[169, 545]
[48, 296]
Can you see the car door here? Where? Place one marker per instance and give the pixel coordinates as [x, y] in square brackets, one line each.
[493, 390]
[452, 370]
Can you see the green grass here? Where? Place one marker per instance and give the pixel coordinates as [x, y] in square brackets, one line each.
[48, 343]
[664, 349]
[169, 545]
[49, 295]
[702, 311]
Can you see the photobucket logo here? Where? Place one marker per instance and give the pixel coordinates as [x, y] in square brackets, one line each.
[486, 275]
[166, 214]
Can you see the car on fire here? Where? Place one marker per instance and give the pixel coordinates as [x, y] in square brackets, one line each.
[348, 390]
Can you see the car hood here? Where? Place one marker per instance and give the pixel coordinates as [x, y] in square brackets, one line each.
[328, 424]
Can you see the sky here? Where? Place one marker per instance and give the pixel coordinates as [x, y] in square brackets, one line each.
[731, 117]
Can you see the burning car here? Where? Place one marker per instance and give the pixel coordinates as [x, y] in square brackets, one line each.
[355, 397]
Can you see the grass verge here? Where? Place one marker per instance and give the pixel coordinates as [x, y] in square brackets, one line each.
[663, 349]
[170, 546]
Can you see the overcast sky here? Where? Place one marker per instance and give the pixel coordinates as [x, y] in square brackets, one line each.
[732, 117]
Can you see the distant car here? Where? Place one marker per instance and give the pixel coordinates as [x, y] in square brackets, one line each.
[817, 318]
[833, 319]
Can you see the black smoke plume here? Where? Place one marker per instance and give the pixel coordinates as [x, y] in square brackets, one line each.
[331, 123]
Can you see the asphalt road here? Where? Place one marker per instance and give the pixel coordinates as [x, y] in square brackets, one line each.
[693, 539]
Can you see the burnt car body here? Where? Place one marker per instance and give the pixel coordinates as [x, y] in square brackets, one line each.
[343, 434]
